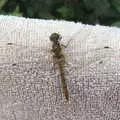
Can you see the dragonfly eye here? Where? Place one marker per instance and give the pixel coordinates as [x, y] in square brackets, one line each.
[60, 37]
[54, 37]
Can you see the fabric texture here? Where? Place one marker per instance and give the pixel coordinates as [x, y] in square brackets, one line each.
[30, 85]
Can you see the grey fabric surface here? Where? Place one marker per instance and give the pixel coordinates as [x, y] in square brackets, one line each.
[30, 89]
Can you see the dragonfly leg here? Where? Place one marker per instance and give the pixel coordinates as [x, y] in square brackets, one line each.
[65, 46]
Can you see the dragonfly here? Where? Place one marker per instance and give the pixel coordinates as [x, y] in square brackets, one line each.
[61, 60]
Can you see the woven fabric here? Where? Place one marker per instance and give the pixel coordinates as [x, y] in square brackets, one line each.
[30, 84]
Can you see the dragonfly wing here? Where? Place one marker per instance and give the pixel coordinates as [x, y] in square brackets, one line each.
[22, 53]
[85, 57]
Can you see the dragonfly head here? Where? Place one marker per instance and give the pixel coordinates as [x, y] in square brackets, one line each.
[55, 37]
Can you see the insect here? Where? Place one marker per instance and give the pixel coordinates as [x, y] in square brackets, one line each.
[35, 54]
[59, 58]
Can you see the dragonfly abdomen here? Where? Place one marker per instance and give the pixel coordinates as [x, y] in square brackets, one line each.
[63, 80]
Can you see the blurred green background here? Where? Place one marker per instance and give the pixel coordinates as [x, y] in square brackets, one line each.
[104, 12]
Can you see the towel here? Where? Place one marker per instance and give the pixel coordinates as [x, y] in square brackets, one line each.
[30, 79]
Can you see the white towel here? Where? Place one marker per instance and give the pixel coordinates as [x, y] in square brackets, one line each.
[30, 85]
